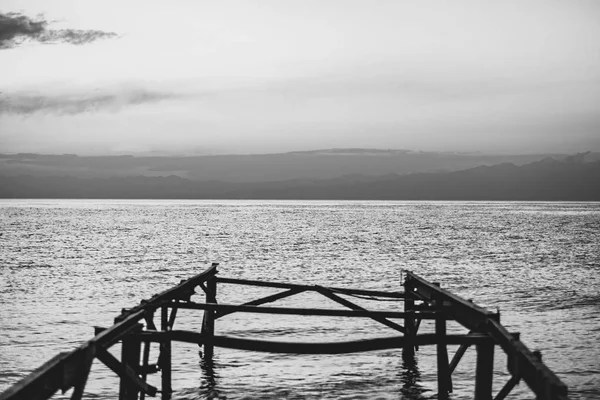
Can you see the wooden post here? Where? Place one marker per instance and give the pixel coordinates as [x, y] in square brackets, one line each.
[409, 320]
[208, 324]
[165, 356]
[443, 371]
[484, 371]
[130, 356]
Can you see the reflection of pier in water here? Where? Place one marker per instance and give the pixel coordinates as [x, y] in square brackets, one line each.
[423, 301]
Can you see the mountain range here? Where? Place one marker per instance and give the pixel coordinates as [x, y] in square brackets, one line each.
[369, 175]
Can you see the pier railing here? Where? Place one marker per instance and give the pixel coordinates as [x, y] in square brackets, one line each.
[135, 328]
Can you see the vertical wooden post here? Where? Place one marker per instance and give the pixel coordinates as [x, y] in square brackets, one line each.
[165, 356]
[208, 325]
[130, 357]
[484, 371]
[409, 320]
[443, 370]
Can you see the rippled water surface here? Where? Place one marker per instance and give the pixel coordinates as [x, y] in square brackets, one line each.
[67, 266]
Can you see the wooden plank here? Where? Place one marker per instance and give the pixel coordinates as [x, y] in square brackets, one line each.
[310, 347]
[181, 290]
[484, 372]
[522, 362]
[361, 313]
[63, 371]
[263, 300]
[327, 293]
[506, 389]
[165, 356]
[124, 371]
[208, 323]
[281, 285]
[130, 358]
[464, 311]
[443, 374]
[457, 357]
[83, 372]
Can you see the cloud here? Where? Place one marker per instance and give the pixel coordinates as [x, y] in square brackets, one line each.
[26, 103]
[15, 28]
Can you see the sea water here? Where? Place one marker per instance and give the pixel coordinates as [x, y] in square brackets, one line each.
[69, 265]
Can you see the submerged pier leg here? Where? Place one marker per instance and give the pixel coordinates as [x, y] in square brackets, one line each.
[409, 321]
[130, 357]
[208, 324]
[165, 356]
[443, 370]
[484, 371]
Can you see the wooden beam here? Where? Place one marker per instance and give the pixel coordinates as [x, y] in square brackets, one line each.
[264, 300]
[124, 371]
[457, 357]
[506, 389]
[443, 374]
[281, 285]
[484, 372]
[358, 313]
[165, 356]
[327, 293]
[522, 362]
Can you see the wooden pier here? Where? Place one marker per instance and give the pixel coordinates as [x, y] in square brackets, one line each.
[136, 329]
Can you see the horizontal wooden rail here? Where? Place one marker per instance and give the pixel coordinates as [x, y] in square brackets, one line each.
[232, 308]
[309, 347]
[281, 285]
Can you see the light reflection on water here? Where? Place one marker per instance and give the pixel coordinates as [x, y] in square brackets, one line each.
[69, 265]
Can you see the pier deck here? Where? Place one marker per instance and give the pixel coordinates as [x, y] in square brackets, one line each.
[136, 329]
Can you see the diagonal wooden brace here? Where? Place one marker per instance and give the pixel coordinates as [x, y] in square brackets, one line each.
[328, 293]
[124, 372]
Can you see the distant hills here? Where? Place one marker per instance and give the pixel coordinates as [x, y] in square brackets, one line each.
[320, 164]
[569, 178]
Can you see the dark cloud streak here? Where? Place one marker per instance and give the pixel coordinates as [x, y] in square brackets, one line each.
[16, 28]
[72, 104]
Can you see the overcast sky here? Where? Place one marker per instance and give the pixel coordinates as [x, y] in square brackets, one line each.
[225, 76]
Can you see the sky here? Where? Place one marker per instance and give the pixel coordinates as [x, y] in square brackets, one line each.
[263, 76]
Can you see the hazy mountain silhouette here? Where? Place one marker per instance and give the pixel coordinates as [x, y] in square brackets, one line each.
[571, 178]
[321, 164]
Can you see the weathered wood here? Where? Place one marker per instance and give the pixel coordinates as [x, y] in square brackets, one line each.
[144, 367]
[263, 300]
[409, 321]
[396, 341]
[124, 371]
[327, 293]
[543, 382]
[466, 313]
[281, 285]
[457, 357]
[522, 362]
[84, 371]
[60, 372]
[443, 374]
[208, 322]
[70, 370]
[165, 356]
[506, 389]
[359, 313]
[484, 372]
[130, 358]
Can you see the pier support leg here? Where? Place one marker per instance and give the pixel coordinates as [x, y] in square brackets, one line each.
[484, 371]
[409, 321]
[130, 357]
[443, 371]
[165, 356]
[208, 323]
